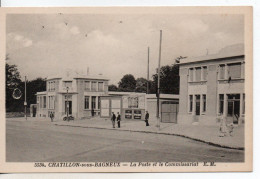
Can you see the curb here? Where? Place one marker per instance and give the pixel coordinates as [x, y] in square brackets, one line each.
[163, 133]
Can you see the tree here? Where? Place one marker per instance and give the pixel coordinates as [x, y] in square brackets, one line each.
[34, 86]
[112, 88]
[12, 81]
[127, 83]
[169, 80]
[141, 85]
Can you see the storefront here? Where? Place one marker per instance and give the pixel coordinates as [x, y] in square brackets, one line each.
[130, 106]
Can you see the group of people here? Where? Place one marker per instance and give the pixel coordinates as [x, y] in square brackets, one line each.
[117, 118]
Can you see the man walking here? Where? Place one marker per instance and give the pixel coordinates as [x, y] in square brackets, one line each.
[118, 119]
[113, 119]
[147, 118]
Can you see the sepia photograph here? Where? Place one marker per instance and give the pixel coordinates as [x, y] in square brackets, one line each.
[99, 89]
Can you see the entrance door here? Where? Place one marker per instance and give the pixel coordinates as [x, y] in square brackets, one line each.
[233, 108]
[68, 107]
[169, 112]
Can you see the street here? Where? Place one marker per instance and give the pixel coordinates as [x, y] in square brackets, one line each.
[41, 141]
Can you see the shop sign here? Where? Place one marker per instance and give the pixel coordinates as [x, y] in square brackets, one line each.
[137, 114]
[128, 114]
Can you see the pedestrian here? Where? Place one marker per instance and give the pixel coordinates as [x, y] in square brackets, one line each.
[113, 119]
[51, 116]
[118, 119]
[147, 118]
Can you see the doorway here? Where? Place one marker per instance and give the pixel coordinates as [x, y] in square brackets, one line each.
[69, 107]
[233, 111]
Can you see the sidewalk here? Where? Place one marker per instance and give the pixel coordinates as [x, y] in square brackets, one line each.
[205, 134]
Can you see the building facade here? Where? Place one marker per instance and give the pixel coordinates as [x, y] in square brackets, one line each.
[79, 94]
[212, 87]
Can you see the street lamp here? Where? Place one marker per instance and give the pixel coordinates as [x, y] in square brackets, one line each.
[67, 103]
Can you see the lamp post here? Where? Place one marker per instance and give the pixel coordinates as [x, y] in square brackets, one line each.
[158, 85]
[67, 103]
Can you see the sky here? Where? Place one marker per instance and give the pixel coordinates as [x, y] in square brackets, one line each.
[43, 45]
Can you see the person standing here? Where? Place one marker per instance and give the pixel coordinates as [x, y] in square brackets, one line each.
[51, 116]
[113, 119]
[118, 119]
[147, 118]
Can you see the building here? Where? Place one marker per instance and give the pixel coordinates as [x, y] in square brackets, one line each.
[81, 93]
[130, 105]
[212, 87]
[133, 105]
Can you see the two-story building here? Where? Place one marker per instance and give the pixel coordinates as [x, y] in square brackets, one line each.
[79, 94]
[212, 87]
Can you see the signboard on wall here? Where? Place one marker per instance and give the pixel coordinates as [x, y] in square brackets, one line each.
[128, 114]
[137, 114]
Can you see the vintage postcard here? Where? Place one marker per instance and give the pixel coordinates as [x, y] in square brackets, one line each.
[126, 89]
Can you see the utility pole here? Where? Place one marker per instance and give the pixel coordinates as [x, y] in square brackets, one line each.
[25, 102]
[158, 85]
[148, 72]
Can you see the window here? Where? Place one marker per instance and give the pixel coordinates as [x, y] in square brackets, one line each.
[44, 101]
[86, 102]
[93, 86]
[204, 73]
[93, 100]
[53, 86]
[234, 70]
[51, 102]
[204, 103]
[191, 74]
[100, 86]
[221, 103]
[221, 72]
[198, 74]
[87, 85]
[190, 103]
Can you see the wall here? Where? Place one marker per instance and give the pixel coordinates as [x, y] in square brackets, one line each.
[183, 116]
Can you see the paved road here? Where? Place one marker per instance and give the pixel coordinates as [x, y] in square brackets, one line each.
[28, 141]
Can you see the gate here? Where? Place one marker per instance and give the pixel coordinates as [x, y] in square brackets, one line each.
[169, 112]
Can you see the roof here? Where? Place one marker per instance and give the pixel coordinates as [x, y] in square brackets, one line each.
[167, 96]
[70, 75]
[226, 52]
[119, 93]
[41, 93]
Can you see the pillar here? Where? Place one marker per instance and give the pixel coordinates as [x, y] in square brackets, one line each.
[193, 104]
[90, 102]
[96, 102]
[225, 106]
[201, 103]
[226, 71]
